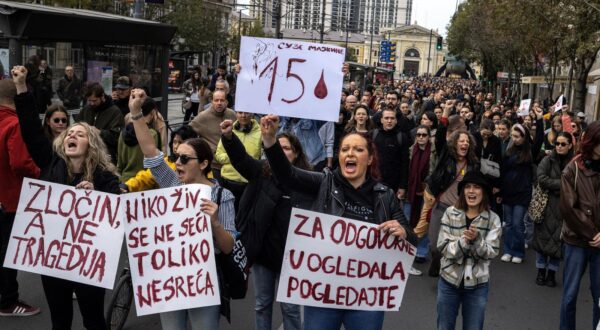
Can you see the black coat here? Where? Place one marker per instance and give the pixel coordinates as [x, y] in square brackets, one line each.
[53, 167]
[546, 235]
[392, 157]
[493, 152]
[265, 208]
[329, 193]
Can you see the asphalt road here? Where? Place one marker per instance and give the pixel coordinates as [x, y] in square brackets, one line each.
[515, 301]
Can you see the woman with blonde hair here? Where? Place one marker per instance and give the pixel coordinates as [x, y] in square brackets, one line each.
[77, 157]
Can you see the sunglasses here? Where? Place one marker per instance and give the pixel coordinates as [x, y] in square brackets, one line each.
[421, 134]
[561, 144]
[60, 120]
[184, 159]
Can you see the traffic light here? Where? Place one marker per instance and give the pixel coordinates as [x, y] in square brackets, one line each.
[439, 43]
[392, 56]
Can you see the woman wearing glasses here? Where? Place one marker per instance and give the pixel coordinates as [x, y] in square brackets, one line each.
[56, 121]
[546, 235]
[79, 158]
[192, 165]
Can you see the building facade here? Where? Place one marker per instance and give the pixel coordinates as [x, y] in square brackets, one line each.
[355, 16]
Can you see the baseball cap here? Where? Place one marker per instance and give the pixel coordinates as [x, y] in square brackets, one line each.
[123, 82]
[581, 114]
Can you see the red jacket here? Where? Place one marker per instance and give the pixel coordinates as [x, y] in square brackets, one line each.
[15, 161]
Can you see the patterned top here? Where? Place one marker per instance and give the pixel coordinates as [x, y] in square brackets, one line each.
[166, 177]
[464, 263]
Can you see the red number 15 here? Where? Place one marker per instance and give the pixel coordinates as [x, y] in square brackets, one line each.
[273, 64]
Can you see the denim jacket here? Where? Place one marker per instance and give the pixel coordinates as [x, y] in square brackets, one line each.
[307, 132]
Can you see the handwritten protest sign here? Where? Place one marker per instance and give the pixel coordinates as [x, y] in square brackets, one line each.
[341, 263]
[69, 233]
[170, 248]
[559, 103]
[290, 78]
[524, 108]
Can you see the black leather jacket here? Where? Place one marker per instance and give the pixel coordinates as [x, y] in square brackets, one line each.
[328, 193]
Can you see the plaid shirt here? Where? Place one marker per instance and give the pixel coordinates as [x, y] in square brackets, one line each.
[466, 262]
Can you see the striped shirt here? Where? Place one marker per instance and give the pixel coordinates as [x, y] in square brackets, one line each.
[466, 262]
[166, 177]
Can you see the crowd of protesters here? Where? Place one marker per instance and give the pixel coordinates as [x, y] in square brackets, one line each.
[436, 161]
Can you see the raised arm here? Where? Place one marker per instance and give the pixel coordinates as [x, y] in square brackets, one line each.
[247, 166]
[145, 140]
[38, 145]
[295, 178]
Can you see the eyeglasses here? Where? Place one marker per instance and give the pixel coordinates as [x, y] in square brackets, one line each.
[60, 120]
[561, 144]
[184, 159]
[421, 134]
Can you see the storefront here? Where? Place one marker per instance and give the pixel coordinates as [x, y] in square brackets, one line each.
[99, 46]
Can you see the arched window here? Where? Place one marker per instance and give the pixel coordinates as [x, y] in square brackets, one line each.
[411, 52]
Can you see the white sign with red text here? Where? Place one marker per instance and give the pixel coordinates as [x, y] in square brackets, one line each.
[68, 233]
[170, 247]
[290, 78]
[335, 262]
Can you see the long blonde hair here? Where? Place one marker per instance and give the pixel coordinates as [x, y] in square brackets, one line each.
[96, 157]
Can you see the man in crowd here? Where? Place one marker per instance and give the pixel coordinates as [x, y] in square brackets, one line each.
[350, 103]
[391, 102]
[223, 85]
[248, 131]
[15, 164]
[120, 94]
[220, 74]
[432, 102]
[69, 89]
[103, 116]
[207, 125]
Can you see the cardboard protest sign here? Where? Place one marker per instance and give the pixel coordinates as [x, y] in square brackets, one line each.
[290, 78]
[69, 233]
[335, 262]
[170, 248]
[524, 108]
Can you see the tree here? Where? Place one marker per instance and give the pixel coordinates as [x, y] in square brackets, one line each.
[529, 37]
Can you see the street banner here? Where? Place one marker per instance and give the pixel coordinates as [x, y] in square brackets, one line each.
[68, 233]
[559, 103]
[290, 78]
[170, 248]
[524, 108]
[335, 262]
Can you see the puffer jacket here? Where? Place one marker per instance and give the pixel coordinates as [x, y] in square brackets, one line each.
[329, 197]
[464, 261]
[579, 207]
[546, 235]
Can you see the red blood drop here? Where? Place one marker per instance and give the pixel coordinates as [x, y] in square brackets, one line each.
[321, 88]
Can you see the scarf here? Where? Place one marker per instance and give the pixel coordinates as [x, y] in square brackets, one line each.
[418, 169]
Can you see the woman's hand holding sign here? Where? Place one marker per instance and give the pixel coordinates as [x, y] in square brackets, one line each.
[394, 228]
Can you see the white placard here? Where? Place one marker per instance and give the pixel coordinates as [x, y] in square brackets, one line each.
[290, 78]
[170, 248]
[524, 108]
[335, 262]
[559, 104]
[69, 233]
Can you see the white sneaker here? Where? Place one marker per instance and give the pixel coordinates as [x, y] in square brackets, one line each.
[415, 272]
[517, 260]
[506, 257]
